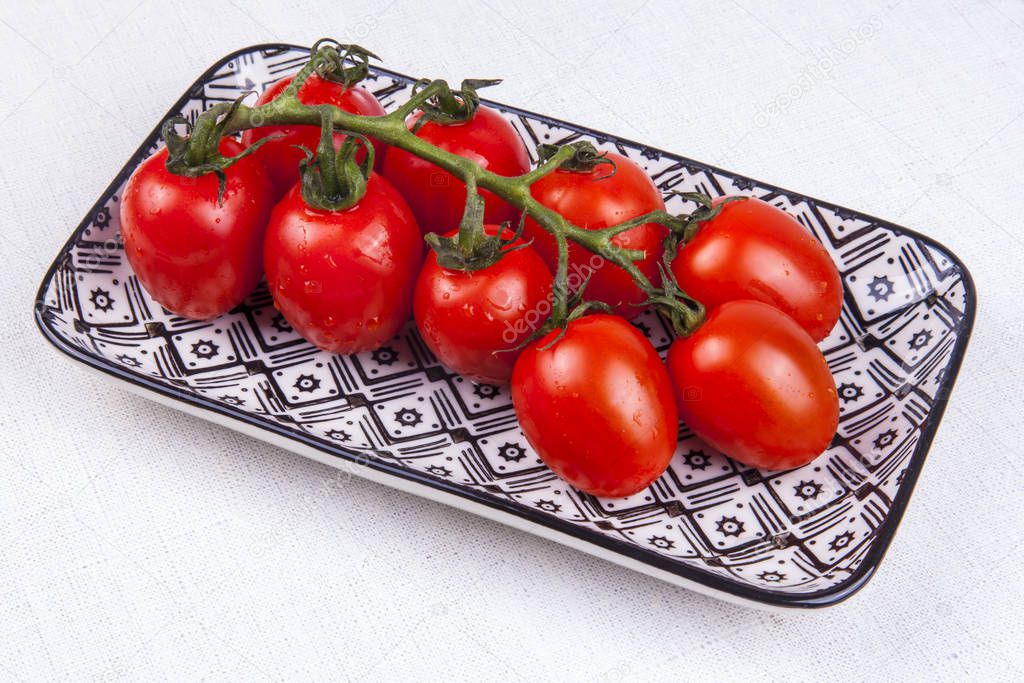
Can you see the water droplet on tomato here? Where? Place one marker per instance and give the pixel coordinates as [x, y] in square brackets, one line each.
[500, 299]
[329, 321]
[373, 324]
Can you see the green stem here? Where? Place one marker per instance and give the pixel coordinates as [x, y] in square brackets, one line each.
[560, 286]
[391, 129]
[471, 228]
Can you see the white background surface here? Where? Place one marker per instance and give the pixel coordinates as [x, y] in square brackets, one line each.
[136, 542]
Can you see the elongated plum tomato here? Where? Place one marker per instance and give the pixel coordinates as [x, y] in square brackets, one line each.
[439, 198]
[597, 406]
[593, 200]
[472, 320]
[344, 279]
[279, 156]
[754, 250]
[198, 258]
[751, 382]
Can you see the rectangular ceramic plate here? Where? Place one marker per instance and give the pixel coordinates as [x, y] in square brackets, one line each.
[804, 538]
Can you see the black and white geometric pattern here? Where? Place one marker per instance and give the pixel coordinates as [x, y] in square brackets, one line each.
[774, 536]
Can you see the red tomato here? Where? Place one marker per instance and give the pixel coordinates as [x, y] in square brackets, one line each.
[597, 406]
[439, 198]
[471, 320]
[751, 382]
[198, 258]
[754, 250]
[344, 279]
[593, 201]
[279, 156]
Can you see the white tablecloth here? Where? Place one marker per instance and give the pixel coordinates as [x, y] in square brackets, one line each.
[136, 542]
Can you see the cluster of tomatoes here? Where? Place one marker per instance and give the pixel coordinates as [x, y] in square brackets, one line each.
[592, 395]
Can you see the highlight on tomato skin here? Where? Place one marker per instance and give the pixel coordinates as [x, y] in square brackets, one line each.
[344, 279]
[196, 256]
[597, 405]
[438, 198]
[473, 321]
[279, 156]
[754, 250]
[752, 383]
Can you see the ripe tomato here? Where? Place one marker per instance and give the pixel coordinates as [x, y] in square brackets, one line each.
[195, 256]
[597, 405]
[472, 320]
[344, 279]
[593, 201]
[751, 382]
[279, 156]
[437, 197]
[754, 250]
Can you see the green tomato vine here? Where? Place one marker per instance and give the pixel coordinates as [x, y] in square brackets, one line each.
[331, 182]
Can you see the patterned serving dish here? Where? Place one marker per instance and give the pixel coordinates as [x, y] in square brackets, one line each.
[802, 538]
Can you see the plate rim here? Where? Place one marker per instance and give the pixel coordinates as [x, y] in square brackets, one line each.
[553, 528]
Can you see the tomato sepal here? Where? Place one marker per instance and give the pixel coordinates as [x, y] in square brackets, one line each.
[584, 158]
[471, 248]
[688, 224]
[197, 153]
[334, 180]
[446, 107]
[330, 64]
[684, 312]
